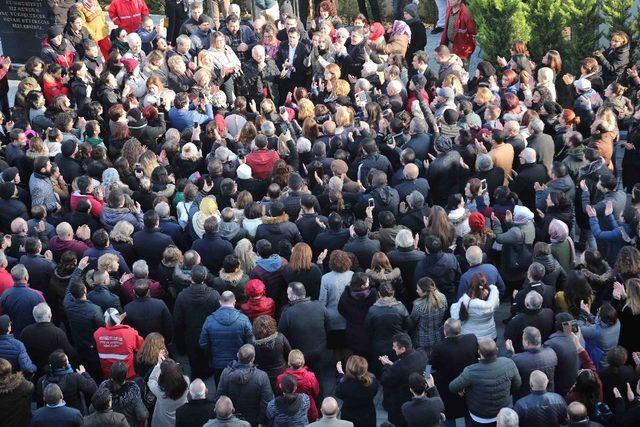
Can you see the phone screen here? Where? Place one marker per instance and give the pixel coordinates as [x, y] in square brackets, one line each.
[427, 371]
[371, 202]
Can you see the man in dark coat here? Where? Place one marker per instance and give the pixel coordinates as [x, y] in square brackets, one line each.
[309, 223]
[212, 247]
[361, 245]
[55, 412]
[84, 318]
[395, 376]
[406, 257]
[290, 61]
[43, 338]
[277, 227]
[198, 410]
[532, 315]
[448, 358]
[411, 183]
[529, 174]
[420, 141]
[261, 72]
[425, 406]
[384, 197]
[40, 267]
[12, 207]
[354, 305]
[353, 57]
[191, 309]
[541, 407]
[299, 317]
[568, 360]
[247, 386]
[294, 196]
[19, 300]
[12, 349]
[146, 314]
[66, 161]
[535, 274]
[150, 242]
[445, 174]
[535, 357]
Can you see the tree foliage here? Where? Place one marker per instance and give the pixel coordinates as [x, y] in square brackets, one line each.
[500, 23]
[547, 18]
[618, 15]
[585, 24]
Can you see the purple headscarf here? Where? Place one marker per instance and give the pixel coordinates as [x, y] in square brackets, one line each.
[558, 233]
[400, 28]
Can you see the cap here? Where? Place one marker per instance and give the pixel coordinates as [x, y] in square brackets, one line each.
[54, 31]
[582, 84]
[9, 174]
[130, 64]
[68, 147]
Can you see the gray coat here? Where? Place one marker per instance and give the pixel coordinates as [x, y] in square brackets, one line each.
[42, 193]
[488, 385]
[568, 361]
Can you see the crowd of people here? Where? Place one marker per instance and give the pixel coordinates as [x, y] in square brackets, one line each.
[318, 220]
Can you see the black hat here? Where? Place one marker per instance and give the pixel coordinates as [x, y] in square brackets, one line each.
[9, 174]
[561, 318]
[54, 31]
[68, 147]
[7, 190]
[486, 69]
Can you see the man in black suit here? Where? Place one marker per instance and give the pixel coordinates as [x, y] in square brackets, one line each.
[290, 60]
[355, 56]
[448, 359]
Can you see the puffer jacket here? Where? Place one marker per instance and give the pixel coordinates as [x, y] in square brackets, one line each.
[541, 408]
[249, 389]
[480, 321]
[256, 307]
[384, 198]
[574, 161]
[445, 176]
[555, 276]
[271, 355]
[444, 269]
[307, 384]
[15, 391]
[109, 217]
[127, 400]
[488, 385]
[386, 318]
[542, 359]
[15, 352]
[223, 333]
[275, 229]
[284, 413]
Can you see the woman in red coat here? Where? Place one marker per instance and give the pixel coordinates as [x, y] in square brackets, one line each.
[257, 303]
[307, 381]
[53, 84]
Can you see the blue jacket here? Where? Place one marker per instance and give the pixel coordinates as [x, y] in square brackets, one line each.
[619, 234]
[59, 416]
[489, 270]
[15, 352]
[104, 298]
[212, 249]
[18, 302]
[182, 119]
[223, 333]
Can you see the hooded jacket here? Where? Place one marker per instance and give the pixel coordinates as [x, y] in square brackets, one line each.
[14, 400]
[261, 162]
[223, 333]
[270, 271]
[256, 307]
[444, 269]
[275, 229]
[249, 389]
[118, 343]
[127, 400]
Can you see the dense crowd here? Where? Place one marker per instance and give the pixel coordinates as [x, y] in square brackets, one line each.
[318, 221]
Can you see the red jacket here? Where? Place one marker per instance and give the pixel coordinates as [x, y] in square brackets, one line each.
[254, 308]
[96, 205]
[118, 343]
[59, 246]
[261, 162]
[127, 14]
[307, 384]
[464, 40]
[6, 281]
[51, 89]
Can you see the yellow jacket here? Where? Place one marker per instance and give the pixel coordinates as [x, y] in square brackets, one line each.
[94, 20]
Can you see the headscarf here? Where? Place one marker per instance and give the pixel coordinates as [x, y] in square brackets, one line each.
[208, 208]
[109, 176]
[376, 30]
[558, 233]
[400, 28]
[522, 215]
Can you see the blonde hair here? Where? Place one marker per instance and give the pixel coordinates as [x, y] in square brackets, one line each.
[149, 161]
[202, 77]
[334, 70]
[106, 261]
[296, 359]
[453, 81]
[343, 116]
[484, 95]
[174, 61]
[305, 109]
[632, 287]
[122, 232]
[545, 76]
[342, 88]
[151, 347]
[245, 254]
[267, 106]
[205, 60]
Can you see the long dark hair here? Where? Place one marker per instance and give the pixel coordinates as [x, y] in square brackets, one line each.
[171, 380]
[477, 288]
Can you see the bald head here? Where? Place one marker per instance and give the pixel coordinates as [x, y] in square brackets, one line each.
[474, 255]
[224, 408]
[411, 171]
[197, 390]
[330, 408]
[538, 381]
